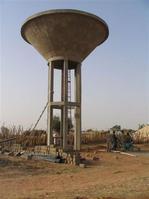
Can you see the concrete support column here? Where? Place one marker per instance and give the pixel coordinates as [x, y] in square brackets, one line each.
[61, 129]
[65, 100]
[50, 99]
[62, 97]
[77, 135]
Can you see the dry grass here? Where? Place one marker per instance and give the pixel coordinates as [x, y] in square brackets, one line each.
[93, 137]
[39, 137]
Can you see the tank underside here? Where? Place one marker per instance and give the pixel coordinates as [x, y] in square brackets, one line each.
[70, 34]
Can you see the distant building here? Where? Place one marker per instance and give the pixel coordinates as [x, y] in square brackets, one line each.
[142, 134]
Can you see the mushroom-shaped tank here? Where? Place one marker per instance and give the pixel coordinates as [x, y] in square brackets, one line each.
[71, 34]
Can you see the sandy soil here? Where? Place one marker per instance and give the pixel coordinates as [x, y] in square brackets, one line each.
[112, 176]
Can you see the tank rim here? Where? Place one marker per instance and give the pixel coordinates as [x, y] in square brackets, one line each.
[65, 11]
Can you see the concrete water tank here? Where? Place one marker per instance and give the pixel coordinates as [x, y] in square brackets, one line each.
[64, 38]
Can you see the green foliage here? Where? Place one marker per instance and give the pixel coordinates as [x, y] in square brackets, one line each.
[56, 124]
[141, 126]
[4, 132]
[116, 128]
[89, 130]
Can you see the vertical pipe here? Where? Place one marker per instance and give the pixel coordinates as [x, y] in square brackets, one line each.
[65, 107]
[77, 135]
[50, 99]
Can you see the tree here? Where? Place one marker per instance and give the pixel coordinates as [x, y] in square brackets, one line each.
[141, 126]
[56, 124]
[4, 132]
[116, 128]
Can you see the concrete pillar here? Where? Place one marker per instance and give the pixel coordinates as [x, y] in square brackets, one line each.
[65, 100]
[50, 99]
[61, 129]
[61, 123]
[77, 135]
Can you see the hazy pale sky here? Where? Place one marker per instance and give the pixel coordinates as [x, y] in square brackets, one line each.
[115, 76]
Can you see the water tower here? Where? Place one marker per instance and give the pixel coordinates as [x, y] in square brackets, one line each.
[64, 38]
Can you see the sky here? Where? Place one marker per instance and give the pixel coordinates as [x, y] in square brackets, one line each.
[115, 76]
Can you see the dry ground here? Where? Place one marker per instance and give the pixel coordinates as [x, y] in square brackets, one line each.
[113, 176]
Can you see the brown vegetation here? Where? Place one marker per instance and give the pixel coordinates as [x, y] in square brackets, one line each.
[39, 137]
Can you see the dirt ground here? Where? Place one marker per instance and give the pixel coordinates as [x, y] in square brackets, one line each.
[110, 176]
